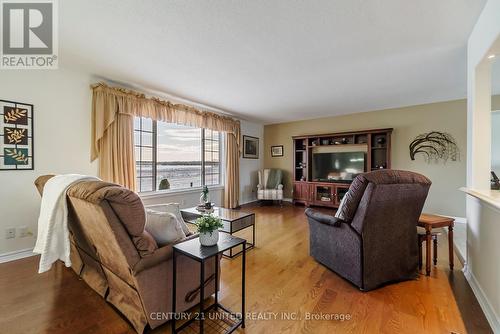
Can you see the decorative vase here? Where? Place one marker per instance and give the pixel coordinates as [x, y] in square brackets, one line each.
[209, 238]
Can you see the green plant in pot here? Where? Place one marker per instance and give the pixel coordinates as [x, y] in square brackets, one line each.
[208, 227]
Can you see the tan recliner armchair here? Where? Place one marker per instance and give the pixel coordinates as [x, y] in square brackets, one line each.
[115, 256]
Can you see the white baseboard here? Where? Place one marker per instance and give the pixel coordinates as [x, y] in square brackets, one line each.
[249, 202]
[16, 255]
[460, 220]
[257, 200]
[488, 310]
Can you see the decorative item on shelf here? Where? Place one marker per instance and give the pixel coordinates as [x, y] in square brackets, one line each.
[336, 142]
[250, 147]
[435, 146]
[208, 228]
[314, 143]
[344, 140]
[303, 178]
[494, 181]
[380, 141]
[277, 151]
[164, 184]
[16, 136]
[325, 141]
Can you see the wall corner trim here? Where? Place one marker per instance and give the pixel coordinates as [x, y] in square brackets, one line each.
[16, 255]
[488, 310]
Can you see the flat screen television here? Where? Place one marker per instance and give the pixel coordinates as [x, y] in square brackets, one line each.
[337, 166]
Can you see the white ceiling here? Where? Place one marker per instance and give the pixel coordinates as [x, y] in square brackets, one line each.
[276, 60]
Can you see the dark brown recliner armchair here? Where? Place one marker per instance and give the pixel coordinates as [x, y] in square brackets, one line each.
[115, 256]
[374, 240]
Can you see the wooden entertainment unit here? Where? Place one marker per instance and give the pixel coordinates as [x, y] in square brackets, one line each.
[376, 144]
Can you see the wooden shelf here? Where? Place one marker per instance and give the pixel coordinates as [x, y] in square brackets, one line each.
[305, 191]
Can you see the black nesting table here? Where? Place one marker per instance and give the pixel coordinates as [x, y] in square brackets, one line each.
[194, 250]
[233, 221]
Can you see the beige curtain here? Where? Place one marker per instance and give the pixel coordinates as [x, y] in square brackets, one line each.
[116, 160]
[113, 110]
[232, 177]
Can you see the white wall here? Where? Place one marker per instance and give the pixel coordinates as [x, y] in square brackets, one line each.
[495, 142]
[483, 220]
[61, 102]
[249, 177]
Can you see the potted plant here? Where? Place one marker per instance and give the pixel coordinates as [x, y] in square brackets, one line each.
[208, 227]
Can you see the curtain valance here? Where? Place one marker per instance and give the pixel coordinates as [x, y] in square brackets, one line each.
[109, 102]
[113, 111]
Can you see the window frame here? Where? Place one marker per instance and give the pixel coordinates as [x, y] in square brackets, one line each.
[154, 133]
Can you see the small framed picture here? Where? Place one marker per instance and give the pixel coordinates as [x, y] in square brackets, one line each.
[250, 147]
[277, 151]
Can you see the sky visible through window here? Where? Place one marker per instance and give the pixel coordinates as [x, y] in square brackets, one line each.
[173, 152]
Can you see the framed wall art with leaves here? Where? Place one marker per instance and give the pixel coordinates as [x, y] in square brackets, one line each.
[16, 136]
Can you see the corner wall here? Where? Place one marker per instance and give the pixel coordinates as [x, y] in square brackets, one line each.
[249, 168]
[62, 103]
[408, 122]
[483, 220]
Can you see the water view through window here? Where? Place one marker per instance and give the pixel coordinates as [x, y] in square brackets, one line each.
[172, 156]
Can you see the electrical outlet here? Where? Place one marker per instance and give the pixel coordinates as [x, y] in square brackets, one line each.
[10, 233]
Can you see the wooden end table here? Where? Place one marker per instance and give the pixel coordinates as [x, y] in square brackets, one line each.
[429, 222]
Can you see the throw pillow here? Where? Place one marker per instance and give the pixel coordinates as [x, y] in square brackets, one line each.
[164, 227]
[174, 209]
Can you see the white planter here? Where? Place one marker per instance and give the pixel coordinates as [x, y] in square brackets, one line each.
[209, 239]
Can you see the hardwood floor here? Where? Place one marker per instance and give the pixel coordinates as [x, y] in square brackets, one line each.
[282, 281]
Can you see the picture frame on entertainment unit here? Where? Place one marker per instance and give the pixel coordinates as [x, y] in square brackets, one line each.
[277, 151]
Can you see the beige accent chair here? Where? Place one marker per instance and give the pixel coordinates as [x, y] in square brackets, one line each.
[116, 257]
[264, 193]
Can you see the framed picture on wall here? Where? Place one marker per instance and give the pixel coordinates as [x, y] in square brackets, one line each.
[250, 147]
[16, 136]
[277, 151]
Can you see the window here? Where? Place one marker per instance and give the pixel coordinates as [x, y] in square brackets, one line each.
[173, 156]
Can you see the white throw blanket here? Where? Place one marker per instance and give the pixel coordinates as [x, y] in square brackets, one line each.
[53, 234]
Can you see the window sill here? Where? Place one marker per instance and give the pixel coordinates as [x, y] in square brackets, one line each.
[166, 193]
